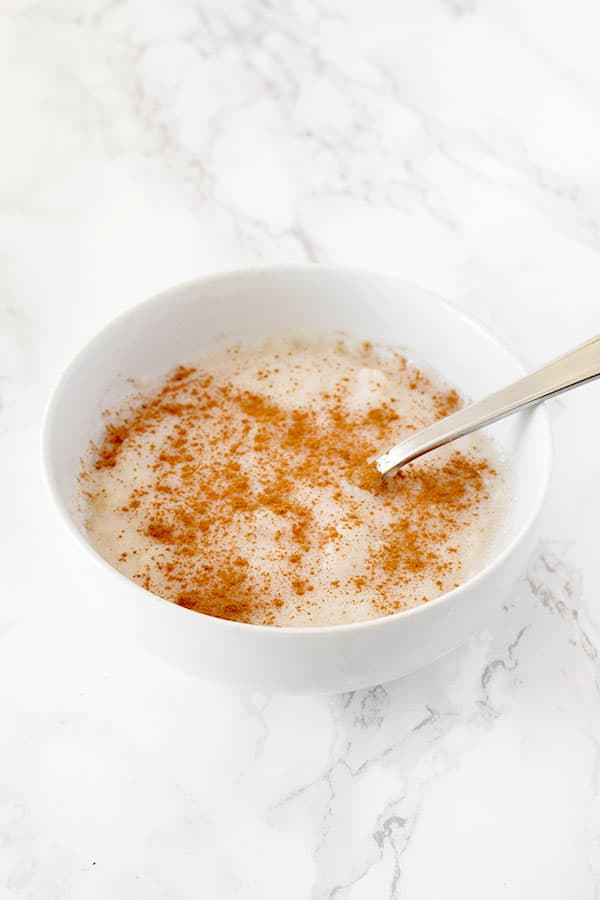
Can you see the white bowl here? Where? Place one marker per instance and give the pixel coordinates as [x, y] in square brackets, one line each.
[171, 329]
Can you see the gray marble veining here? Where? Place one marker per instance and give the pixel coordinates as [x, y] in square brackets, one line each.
[454, 143]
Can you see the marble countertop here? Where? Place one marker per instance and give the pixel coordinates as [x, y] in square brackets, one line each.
[454, 142]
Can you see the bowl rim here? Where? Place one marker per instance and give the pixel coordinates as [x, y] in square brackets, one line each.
[60, 507]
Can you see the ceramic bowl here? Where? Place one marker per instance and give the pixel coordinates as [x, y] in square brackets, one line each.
[247, 306]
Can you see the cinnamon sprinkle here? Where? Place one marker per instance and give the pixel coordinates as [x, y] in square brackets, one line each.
[234, 502]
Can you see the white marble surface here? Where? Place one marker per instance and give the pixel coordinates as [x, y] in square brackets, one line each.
[456, 143]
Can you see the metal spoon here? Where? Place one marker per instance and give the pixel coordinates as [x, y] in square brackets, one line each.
[569, 371]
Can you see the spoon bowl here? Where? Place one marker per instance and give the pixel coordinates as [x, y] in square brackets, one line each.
[250, 306]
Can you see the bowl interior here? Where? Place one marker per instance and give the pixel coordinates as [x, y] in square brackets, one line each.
[176, 326]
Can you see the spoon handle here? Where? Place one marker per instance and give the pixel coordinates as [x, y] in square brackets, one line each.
[569, 371]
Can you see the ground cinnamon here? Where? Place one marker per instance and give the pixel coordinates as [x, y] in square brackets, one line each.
[193, 509]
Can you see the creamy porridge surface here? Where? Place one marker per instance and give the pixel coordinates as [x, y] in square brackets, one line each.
[238, 486]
